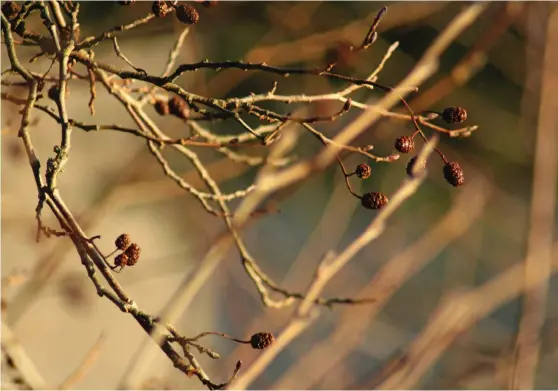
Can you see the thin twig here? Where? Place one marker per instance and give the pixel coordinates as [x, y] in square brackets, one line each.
[122, 56]
[92, 41]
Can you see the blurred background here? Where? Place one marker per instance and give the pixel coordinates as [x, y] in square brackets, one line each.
[113, 185]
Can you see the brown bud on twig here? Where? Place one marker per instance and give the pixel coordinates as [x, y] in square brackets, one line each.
[160, 8]
[262, 340]
[374, 200]
[454, 174]
[454, 115]
[363, 171]
[122, 242]
[187, 14]
[372, 34]
[404, 144]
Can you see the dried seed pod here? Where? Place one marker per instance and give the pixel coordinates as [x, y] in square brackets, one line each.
[404, 144]
[11, 9]
[187, 14]
[53, 93]
[410, 166]
[454, 115]
[162, 107]
[160, 8]
[454, 174]
[374, 200]
[178, 107]
[363, 171]
[122, 242]
[262, 340]
[121, 260]
[133, 252]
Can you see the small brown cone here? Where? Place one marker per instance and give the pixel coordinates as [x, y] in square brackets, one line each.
[178, 107]
[454, 115]
[404, 144]
[133, 252]
[160, 8]
[363, 171]
[162, 107]
[262, 340]
[454, 174]
[374, 200]
[121, 260]
[122, 242]
[187, 14]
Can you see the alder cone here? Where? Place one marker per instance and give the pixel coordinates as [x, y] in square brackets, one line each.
[454, 174]
[178, 107]
[363, 171]
[374, 200]
[162, 107]
[187, 14]
[122, 242]
[404, 144]
[262, 340]
[133, 252]
[53, 93]
[160, 8]
[454, 115]
[121, 260]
